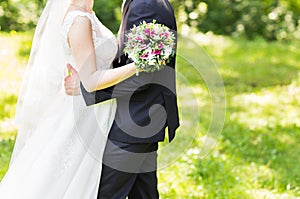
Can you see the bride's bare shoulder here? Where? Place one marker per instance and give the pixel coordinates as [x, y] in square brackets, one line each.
[77, 26]
[75, 13]
[80, 23]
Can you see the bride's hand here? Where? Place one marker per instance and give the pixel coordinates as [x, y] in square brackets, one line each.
[72, 82]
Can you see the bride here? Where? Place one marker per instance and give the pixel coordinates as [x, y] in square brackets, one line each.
[60, 142]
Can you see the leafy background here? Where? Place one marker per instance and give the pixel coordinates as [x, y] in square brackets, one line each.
[270, 19]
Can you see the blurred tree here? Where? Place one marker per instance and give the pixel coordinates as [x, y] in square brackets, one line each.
[9, 14]
[109, 13]
[22, 15]
[19, 15]
[271, 19]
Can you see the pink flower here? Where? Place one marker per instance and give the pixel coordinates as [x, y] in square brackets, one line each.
[144, 56]
[140, 39]
[165, 34]
[160, 45]
[156, 52]
[143, 47]
[149, 32]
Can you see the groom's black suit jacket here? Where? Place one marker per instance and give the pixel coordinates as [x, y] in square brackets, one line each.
[140, 99]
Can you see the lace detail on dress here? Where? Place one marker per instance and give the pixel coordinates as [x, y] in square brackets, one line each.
[66, 158]
[105, 42]
[68, 22]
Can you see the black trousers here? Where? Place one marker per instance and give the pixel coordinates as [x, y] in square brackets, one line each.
[129, 170]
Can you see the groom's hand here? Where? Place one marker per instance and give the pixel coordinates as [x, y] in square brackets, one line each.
[72, 82]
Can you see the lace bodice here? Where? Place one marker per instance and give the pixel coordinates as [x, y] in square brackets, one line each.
[105, 42]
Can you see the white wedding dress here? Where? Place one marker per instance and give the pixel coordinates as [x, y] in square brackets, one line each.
[61, 157]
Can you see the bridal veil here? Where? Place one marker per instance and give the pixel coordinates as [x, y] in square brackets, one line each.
[44, 72]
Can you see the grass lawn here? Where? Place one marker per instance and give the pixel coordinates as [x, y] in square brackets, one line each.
[13, 57]
[257, 152]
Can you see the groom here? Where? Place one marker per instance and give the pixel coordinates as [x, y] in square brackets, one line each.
[146, 105]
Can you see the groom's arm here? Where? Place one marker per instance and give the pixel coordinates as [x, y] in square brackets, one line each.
[137, 13]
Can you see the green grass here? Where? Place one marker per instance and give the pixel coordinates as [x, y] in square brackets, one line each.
[257, 153]
[14, 52]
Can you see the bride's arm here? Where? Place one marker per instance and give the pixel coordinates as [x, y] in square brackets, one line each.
[81, 42]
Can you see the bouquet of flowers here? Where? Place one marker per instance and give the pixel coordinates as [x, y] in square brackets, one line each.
[150, 46]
